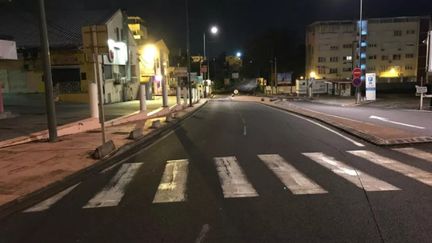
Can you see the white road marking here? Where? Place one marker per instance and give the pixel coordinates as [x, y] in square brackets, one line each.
[205, 229]
[172, 187]
[415, 153]
[357, 177]
[244, 126]
[233, 180]
[394, 122]
[330, 130]
[293, 179]
[112, 193]
[46, 204]
[407, 170]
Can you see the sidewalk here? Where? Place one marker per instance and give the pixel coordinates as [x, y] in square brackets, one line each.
[28, 168]
[387, 101]
[31, 118]
[371, 132]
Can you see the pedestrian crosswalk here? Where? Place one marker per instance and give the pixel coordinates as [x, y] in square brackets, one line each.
[290, 176]
[173, 184]
[112, 193]
[235, 181]
[357, 177]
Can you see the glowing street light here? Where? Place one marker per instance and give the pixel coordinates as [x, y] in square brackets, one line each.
[312, 75]
[239, 54]
[149, 52]
[214, 30]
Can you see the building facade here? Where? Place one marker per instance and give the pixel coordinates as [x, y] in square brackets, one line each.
[395, 50]
[73, 69]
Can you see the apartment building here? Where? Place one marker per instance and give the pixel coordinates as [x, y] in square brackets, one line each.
[395, 49]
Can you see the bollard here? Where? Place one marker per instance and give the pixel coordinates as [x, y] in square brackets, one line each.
[178, 93]
[143, 102]
[164, 93]
[185, 96]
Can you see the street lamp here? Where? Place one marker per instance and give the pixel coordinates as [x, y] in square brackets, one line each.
[360, 47]
[214, 30]
[239, 54]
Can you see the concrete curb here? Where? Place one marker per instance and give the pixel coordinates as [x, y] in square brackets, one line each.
[361, 135]
[120, 156]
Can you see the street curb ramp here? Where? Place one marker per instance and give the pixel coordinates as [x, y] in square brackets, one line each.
[118, 157]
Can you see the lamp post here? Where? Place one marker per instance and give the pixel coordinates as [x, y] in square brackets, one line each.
[360, 47]
[188, 56]
[49, 99]
[214, 31]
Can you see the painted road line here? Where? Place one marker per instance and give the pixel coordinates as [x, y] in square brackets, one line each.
[357, 177]
[330, 130]
[293, 179]
[172, 187]
[233, 180]
[46, 204]
[394, 122]
[417, 153]
[407, 170]
[112, 193]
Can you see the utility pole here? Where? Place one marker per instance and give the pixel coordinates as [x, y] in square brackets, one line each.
[360, 52]
[49, 99]
[98, 81]
[188, 53]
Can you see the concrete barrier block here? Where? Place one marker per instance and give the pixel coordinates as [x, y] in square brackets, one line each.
[156, 124]
[170, 117]
[104, 150]
[136, 134]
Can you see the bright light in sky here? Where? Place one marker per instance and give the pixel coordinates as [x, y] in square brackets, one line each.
[239, 54]
[214, 30]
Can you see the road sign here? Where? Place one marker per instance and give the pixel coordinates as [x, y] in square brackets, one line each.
[370, 86]
[421, 89]
[357, 73]
[356, 82]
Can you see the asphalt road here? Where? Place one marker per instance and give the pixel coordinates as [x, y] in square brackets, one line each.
[243, 172]
[406, 119]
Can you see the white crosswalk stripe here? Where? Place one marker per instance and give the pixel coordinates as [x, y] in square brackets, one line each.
[233, 180]
[407, 170]
[235, 184]
[46, 204]
[112, 193]
[172, 187]
[293, 179]
[417, 153]
[357, 177]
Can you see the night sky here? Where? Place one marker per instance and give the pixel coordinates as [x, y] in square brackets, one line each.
[241, 20]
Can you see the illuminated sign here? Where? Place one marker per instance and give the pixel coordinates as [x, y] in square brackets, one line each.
[118, 53]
